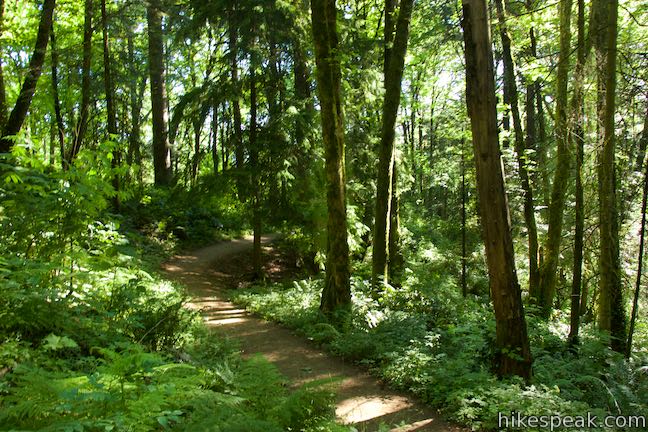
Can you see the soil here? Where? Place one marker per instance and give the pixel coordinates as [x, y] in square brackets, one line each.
[362, 400]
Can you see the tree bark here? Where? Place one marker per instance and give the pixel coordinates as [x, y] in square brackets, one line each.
[19, 113]
[161, 147]
[611, 307]
[556, 206]
[337, 290]
[514, 355]
[380, 263]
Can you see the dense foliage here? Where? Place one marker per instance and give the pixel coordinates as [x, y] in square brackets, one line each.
[426, 338]
[93, 339]
[129, 129]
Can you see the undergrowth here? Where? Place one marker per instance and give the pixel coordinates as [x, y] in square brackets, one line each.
[427, 339]
[94, 340]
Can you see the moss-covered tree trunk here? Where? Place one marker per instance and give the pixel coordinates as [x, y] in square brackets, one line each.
[513, 352]
[162, 167]
[393, 78]
[19, 112]
[552, 242]
[577, 136]
[611, 316]
[337, 289]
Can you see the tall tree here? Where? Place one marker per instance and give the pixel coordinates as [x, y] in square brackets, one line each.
[637, 287]
[60, 126]
[514, 354]
[558, 192]
[161, 146]
[110, 103]
[236, 102]
[337, 290]
[3, 93]
[577, 136]
[84, 109]
[19, 113]
[611, 307]
[520, 147]
[395, 59]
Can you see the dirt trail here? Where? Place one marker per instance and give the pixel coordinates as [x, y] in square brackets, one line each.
[361, 400]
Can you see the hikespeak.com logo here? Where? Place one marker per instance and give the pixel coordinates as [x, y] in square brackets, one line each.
[517, 420]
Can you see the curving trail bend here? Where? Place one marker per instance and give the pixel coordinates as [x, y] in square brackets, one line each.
[361, 399]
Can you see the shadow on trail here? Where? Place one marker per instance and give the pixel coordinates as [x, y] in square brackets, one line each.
[362, 400]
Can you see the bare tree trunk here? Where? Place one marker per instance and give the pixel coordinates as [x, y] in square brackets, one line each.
[556, 206]
[163, 169]
[380, 263]
[337, 290]
[19, 113]
[514, 355]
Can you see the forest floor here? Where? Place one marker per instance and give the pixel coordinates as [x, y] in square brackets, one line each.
[362, 400]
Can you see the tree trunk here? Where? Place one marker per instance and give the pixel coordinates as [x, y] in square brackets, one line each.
[529, 206]
[396, 259]
[214, 152]
[110, 106]
[643, 141]
[514, 355]
[254, 173]
[611, 308]
[561, 176]
[380, 263]
[337, 290]
[464, 198]
[3, 93]
[136, 91]
[19, 112]
[60, 126]
[577, 135]
[236, 104]
[84, 109]
[642, 234]
[161, 147]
